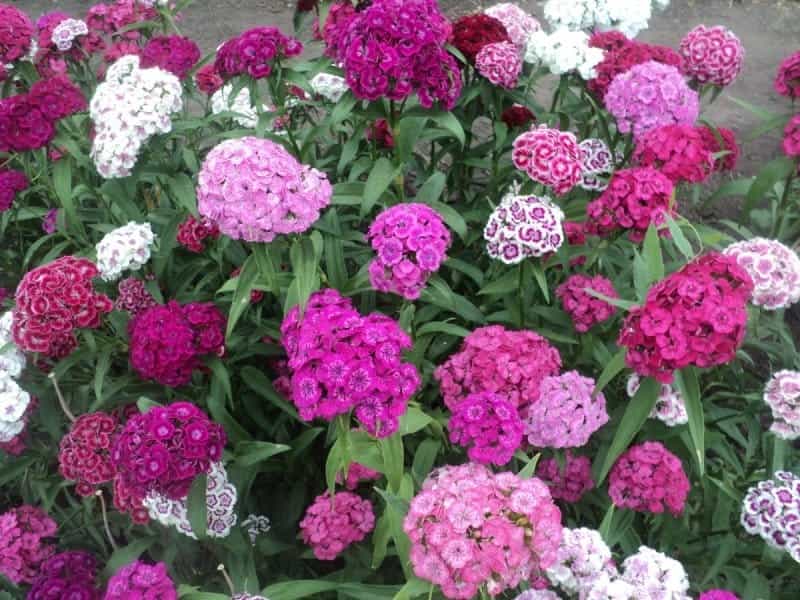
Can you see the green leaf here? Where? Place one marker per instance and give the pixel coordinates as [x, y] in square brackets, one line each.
[507, 283]
[541, 279]
[145, 404]
[100, 371]
[343, 108]
[127, 554]
[611, 370]
[298, 589]
[680, 240]
[414, 588]
[432, 189]
[380, 540]
[641, 276]
[605, 525]
[448, 121]
[770, 174]
[396, 510]
[333, 465]
[196, 507]
[252, 453]
[258, 382]
[424, 458]
[241, 297]
[392, 452]
[378, 181]
[413, 420]
[407, 134]
[305, 263]
[529, 469]
[652, 255]
[442, 327]
[687, 382]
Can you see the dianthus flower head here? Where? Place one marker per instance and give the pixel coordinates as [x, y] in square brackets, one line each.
[24, 545]
[500, 63]
[167, 341]
[11, 183]
[111, 18]
[24, 124]
[66, 32]
[342, 361]
[208, 80]
[84, 454]
[718, 595]
[411, 241]
[381, 133]
[193, 232]
[719, 140]
[329, 86]
[356, 473]
[14, 403]
[54, 300]
[254, 52]
[254, 190]
[255, 525]
[563, 51]
[670, 406]
[395, 48]
[549, 156]
[679, 152]
[244, 112]
[585, 309]
[517, 115]
[12, 360]
[67, 575]
[489, 427]
[696, 316]
[770, 510]
[650, 95]
[582, 557]
[791, 137]
[16, 33]
[472, 33]
[495, 359]
[774, 269]
[58, 97]
[634, 199]
[164, 449]
[627, 16]
[124, 248]
[335, 522]
[339, 16]
[649, 478]
[787, 81]
[518, 23]
[782, 395]
[655, 575]
[133, 297]
[712, 55]
[569, 483]
[140, 580]
[173, 53]
[538, 595]
[597, 164]
[472, 529]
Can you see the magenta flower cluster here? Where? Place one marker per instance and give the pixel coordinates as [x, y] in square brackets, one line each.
[67, 576]
[11, 183]
[774, 269]
[173, 53]
[356, 473]
[254, 190]
[584, 309]
[411, 241]
[489, 427]
[500, 63]
[167, 341]
[394, 48]
[680, 152]
[549, 156]
[332, 523]
[16, 32]
[140, 580]
[718, 595]
[254, 52]
[495, 359]
[567, 412]
[24, 542]
[791, 137]
[343, 361]
[650, 95]
[649, 478]
[787, 80]
[569, 483]
[472, 529]
[164, 449]
[712, 55]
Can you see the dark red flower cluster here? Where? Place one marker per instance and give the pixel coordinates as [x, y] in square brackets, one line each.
[473, 32]
[133, 297]
[254, 51]
[635, 199]
[622, 54]
[576, 236]
[718, 140]
[85, 452]
[16, 31]
[380, 133]
[517, 115]
[306, 5]
[696, 316]
[174, 53]
[787, 81]
[11, 183]
[193, 232]
[164, 449]
[677, 151]
[67, 576]
[208, 80]
[167, 341]
[52, 302]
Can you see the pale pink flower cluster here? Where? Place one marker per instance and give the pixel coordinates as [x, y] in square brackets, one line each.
[522, 227]
[566, 413]
[582, 558]
[782, 394]
[774, 269]
[645, 575]
[472, 529]
[332, 523]
[489, 427]
[518, 23]
[549, 156]
[670, 406]
[500, 63]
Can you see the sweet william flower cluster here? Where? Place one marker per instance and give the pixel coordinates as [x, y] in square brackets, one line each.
[518, 23]
[254, 52]
[549, 156]
[564, 51]
[670, 406]
[334, 522]
[84, 454]
[25, 533]
[582, 559]
[126, 248]
[472, 33]
[522, 227]
[585, 309]
[769, 510]
[774, 269]
[569, 483]
[712, 55]
[782, 395]
[70, 574]
[679, 152]
[489, 427]
[141, 580]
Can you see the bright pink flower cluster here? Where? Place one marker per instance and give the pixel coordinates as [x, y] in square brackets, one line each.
[16, 32]
[696, 316]
[134, 297]
[254, 190]
[567, 412]
[549, 156]
[254, 52]
[193, 232]
[634, 199]
[584, 309]
[518, 23]
[167, 341]
[500, 63]
[208, 80]
[712, 55]
[111, 18]
[649, 478]
[495, 359]
[164, 449]
[67, 576]
[54, 300]
[791, 137]
[472, 33]
[650, 95]
[23, 542]
[394, 48]
[471, 528]
[678, 151]
[718, 140]
[332, 523]
[570, 483]
[339, 16]
[356, 473]
[11, 183]
[718, 595]
[85, 452]
[787, 81]
[173, 53]
[140, 580]
[342, 361]
[487, 425]
[411, 241]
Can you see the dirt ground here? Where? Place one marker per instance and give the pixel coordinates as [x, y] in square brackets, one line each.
[769, 29]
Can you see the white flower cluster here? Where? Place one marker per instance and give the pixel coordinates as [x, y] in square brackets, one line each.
[255, 525]
[128, 108]
[770, 511]
[330, 87]
[774, 269]
[220, 503]
[782, 394]
[518, 23]
[582, 557]
[246, 114]
[538, 595]
[563, 51]
[597, 164]
[646, 575]
[152, 3]
[670, 407]
[125, 248]
[65, 33]
[628, 16]
[12, 360]
[14, 402]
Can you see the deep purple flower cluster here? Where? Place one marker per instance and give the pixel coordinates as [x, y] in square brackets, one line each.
[168, 340]
[140, 580]
[411, 241]
[254, 52]
[489, 427]
[394, 48]
[341, 360]
[164, 449]
[11, 183]
[173, 53]
[67, 576]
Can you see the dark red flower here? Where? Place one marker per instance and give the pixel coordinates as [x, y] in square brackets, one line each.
[473, 32]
